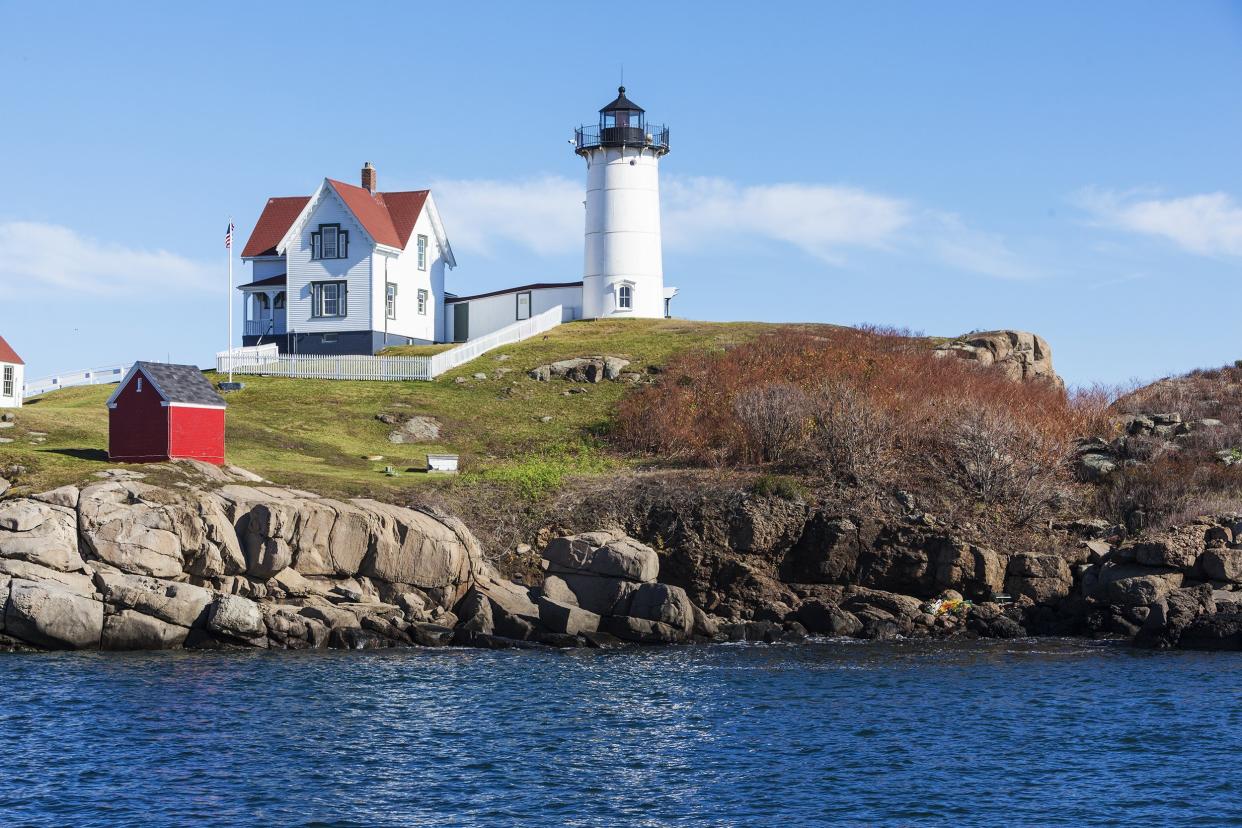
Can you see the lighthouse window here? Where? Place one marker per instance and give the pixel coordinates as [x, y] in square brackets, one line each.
[625, 297]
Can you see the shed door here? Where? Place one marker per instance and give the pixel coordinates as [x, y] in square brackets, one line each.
[461, 322]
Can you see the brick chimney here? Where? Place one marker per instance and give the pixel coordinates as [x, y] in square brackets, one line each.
[368, 177]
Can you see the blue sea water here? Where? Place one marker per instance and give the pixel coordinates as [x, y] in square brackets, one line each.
[1044, 732]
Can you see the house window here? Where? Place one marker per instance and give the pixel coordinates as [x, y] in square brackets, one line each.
[8, 382]
[523, 305]
[390, 301]
[329, 242]
[138, 389]
[625, 297]
[328, 339]
[328, 299]
[422, 252]
[422, 303]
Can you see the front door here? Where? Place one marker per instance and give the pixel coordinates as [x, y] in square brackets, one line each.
[461, 322]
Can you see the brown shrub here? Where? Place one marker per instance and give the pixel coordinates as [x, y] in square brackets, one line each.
[853, 436]
[774, 421]
[1173, 489]
[996, 460]
[880, 405]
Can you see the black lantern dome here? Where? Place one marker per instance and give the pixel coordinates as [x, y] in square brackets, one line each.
[622, 123]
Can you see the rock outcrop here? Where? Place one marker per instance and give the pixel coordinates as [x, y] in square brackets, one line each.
[122, 564]
[584, 369]
[1021, 355]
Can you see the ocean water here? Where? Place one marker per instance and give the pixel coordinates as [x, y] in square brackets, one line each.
[1042, 732]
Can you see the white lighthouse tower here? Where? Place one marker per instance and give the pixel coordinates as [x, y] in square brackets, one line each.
[623, 274]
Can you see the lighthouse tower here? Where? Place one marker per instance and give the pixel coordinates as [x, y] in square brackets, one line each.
[623, 273]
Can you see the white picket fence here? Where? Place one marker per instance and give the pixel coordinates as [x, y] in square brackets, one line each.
[249, 355]
[362, 367]
[90, 376]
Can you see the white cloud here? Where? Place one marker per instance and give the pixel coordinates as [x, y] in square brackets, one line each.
[1209, 224]
[541, 214]
[818, 219]
[947, 238]
[545, 216]
[56, 256]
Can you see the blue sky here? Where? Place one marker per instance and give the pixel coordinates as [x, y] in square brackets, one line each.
[1066, 168]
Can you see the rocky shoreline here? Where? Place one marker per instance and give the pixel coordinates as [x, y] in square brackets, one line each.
[221, 559]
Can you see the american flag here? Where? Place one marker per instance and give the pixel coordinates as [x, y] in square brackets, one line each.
[228, 236]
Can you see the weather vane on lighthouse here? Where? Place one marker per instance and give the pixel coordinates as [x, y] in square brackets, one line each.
[623, 272]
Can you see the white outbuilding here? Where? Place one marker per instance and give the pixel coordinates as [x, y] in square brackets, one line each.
[12, 375]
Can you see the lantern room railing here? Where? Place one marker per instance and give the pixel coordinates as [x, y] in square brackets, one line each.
[654, 136]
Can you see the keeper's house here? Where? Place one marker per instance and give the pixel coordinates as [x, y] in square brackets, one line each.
[347, 270]
[11, 368]
[165, 412]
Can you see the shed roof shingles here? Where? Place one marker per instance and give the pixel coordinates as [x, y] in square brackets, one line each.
[181, 383]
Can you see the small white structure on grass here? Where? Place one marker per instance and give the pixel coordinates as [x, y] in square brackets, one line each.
[12, 375]
[442, 463]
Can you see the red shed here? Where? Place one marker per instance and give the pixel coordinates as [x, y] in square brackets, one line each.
[165, 412]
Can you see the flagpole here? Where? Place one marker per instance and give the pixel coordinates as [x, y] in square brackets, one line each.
[230, 252]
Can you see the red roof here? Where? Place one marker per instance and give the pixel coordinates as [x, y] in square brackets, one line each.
[405, 209]
[275, 220]
[7, 354]
[388, 217]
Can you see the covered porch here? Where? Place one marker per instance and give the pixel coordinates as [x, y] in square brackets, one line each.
[263, 309]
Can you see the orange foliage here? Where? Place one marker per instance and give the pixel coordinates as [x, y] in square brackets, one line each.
[690, 415]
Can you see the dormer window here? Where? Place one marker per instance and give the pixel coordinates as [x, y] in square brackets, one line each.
[329, 242]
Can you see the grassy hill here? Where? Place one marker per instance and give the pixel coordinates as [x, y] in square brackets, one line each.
[319, 434]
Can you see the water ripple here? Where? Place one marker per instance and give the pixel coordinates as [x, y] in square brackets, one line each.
[900, 733]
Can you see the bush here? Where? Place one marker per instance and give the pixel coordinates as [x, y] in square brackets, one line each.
[786, 488]
[998, 461]
[853, 436]
[774, 420]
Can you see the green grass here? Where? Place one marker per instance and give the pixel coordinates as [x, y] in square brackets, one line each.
[416, 350]
[318, 434]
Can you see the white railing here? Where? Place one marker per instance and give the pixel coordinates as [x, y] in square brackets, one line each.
[92, 376]
[264, 359]
[537, 324]
[263, 327]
